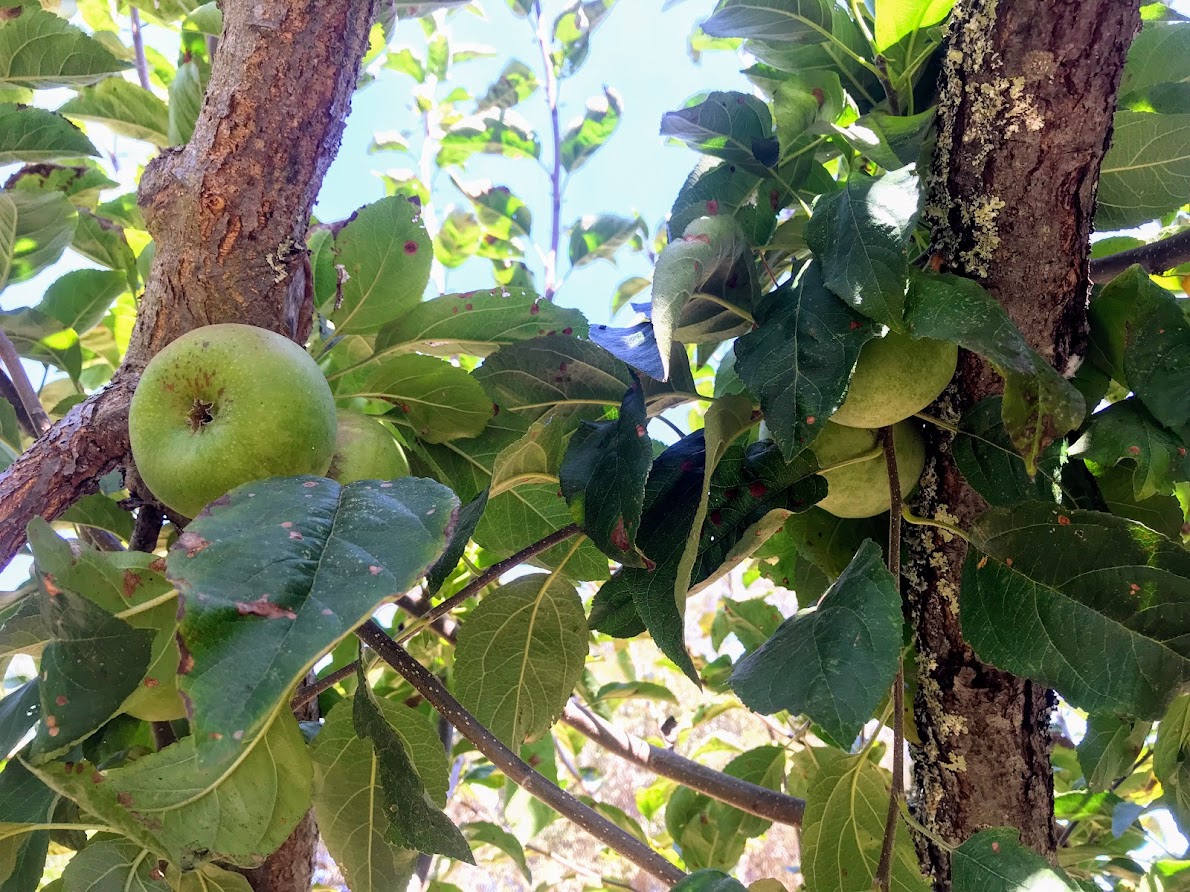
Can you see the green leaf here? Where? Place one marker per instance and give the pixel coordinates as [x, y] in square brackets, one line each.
[34, 231]
[1080, 601]
[1126, 432]
[797, 21]
[592, 131]
[712, 834]
[1169, 757]
[1039, 404]
[1157, 55]
[985, 456]
[736, 127]
[468, 518]
[516, 83]
[33, 135]
[845, 814]
[276, 573]
[126, 108]
[503, 216]
[520, 654]
[897, 19]
[105, 243]
[631, 690]
[495, 132]
[414, 820]
[799, 359]
[1109, 749]
[845, 651]
[349, 800]
[113, 864]
[719, 188]
[530, 377]
[190, 812]
[386, 253]
[1146, 172]
[1142, 337]
[712, 248]
[80, 299]
[709, 881]
[19, 712]
[29, 863]
[600, 237]
[995, 861]
[93, 660]
[486, 833]
[39, 50]
[101, 513]
[749, 485]
[603, 478]
[440, 401]
[185, 102]
[466, 465]
[859, 235]
[208, 878]
[892, 141]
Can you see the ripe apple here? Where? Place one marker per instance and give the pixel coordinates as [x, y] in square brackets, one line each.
[226, 404]
[364, 450]
[861, 489]
[895, 377]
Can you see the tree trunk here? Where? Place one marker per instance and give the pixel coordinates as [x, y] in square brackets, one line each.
[1027, 95]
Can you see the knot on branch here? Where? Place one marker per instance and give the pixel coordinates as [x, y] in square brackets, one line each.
[158, 193]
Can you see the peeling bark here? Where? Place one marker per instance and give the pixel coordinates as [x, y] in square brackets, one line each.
[228, 213]
[1027, 96]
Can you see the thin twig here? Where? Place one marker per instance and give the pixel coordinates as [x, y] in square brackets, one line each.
[24, 387]
[551, 97]
[578, 868]
[310, 691]
[147, 529]
[884, 867]
[1156, 257]
[510, 764]
[138, 46]
[486, 578]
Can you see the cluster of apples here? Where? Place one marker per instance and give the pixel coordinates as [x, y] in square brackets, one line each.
[895, 378]
[227, 404]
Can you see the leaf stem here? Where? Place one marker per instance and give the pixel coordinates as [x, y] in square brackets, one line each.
[917, 521]
[486, 578]
[511, 765]
[884, 867]
[24, 387]
[551, 96]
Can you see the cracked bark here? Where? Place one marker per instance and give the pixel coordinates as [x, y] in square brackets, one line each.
[1027, 96]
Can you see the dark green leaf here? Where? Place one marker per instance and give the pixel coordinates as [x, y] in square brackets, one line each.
[100, 512]
[797, 21]
[859, 234]
[985, 456]
[39, 50]
[603, 479]
[33, 135]
[845, 652]
[386, 253]
[800, 357]
[127, 109]
[736, 127]
[80, 299]
[721, 188]
[104, 242]
[19, 711]
[469, 517]
[1039, 404]
[1084, 602]
[592, 131]
[415, 821]
[277, 572]
[486, 833]
[995, 861]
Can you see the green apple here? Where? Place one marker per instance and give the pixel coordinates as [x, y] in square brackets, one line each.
[364, 450]
[860, 489]
[895, 377]
[226, 404]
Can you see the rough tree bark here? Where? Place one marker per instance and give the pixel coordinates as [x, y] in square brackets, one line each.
[1027, 96]
[228, 213]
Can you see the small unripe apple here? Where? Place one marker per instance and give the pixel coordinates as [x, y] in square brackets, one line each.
[861, 489]
[364, 450]
[224, 405]
[896, 376]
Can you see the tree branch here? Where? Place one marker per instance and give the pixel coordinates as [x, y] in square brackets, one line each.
[551, 96]
[511, 765]
[138, 46]
[1156, 257]
[25, 391]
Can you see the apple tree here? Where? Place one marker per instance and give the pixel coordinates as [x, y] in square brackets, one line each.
[880, 376]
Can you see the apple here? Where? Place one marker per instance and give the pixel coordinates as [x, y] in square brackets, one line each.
[861, 489]
[364, 450]
[224, 405]
[895, 377]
